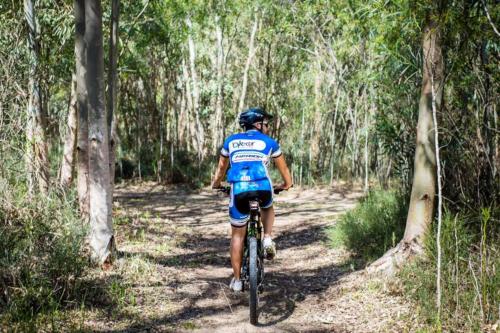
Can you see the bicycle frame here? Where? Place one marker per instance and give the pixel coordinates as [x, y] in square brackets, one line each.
[254, 229]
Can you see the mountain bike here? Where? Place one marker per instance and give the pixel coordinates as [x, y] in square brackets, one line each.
[252, 268]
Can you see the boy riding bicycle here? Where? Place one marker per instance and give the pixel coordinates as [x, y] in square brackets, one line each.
[249, 154]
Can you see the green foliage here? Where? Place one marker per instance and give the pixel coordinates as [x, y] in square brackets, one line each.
[373, 226]
[41, 260]
[470, 274]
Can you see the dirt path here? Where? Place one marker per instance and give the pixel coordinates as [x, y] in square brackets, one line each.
[175, 262]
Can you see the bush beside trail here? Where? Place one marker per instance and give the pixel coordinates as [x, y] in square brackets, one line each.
[470, 260]
[470, 274]
[373, 227]
[42, 257]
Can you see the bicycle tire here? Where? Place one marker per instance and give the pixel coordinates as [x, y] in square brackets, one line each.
[253, 280]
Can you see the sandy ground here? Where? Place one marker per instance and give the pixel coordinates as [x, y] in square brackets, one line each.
[174, 253]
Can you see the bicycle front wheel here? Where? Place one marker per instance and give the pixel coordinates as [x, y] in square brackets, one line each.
[253, 270]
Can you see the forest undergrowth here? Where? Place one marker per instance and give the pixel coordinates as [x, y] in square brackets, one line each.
[470, 256]
[45, 272]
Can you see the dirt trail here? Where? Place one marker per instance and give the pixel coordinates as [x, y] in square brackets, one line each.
[174, 252]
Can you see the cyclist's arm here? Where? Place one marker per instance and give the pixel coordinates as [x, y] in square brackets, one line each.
[221, 171]
[285, 173]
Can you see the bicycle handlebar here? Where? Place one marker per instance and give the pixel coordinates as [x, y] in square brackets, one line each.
[278, 190]
[227, 189]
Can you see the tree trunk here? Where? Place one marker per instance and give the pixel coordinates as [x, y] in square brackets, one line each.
[37, 157]
[82, 111]
[333, 137]
[101, 234]
[420, 212]
[200, 135]
[68, 164]
[317, 124]
[251, 53]
[112, 89]
[217, 131]
[191, 139]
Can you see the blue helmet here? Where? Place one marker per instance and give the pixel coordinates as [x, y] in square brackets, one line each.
[252, 116]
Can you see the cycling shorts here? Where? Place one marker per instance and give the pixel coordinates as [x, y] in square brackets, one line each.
[242, 193]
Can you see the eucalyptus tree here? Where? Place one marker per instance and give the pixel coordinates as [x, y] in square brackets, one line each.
[70, 140]
[423, 190]
[112, 87]
[100, 204]
[37, 158]
[82, 108]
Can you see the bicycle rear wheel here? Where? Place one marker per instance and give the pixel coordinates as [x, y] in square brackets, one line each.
[253, 277]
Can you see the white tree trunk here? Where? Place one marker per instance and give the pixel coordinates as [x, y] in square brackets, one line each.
[200, 135]
[68, 159]
[217, 130]
[440, 197]
[251, 53]
[191, 139]
[101, 234]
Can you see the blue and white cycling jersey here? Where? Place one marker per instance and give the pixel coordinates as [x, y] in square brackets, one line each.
[249, 154]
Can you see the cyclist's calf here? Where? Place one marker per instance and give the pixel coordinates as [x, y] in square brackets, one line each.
[267, 215]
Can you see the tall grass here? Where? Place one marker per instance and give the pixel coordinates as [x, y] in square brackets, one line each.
[373, 226]
[41, 256]
[470, 274]
[470, 271]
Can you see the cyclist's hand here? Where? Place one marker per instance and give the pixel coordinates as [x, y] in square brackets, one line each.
[282, 187]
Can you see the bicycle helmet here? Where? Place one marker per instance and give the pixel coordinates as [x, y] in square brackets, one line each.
[252, 116]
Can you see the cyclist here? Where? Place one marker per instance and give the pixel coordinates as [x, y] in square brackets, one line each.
[249, 154]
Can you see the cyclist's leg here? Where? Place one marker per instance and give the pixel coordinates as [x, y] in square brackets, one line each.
[238, 221]
[266, 206]
[237, 241]
[267, 215]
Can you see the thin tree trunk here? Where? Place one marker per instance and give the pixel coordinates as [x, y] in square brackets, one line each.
[316, 125]
[333, 138]
[182, 126]
[219, 102]
[302, 133]
[82, 110]
[367, 132]
[190, 125]
[38, 156]
[162, 125]
[68, 159]
[420, 212]
[251, 53]
[112, 89]
[440, 196]
[101, 234]
[200, 135]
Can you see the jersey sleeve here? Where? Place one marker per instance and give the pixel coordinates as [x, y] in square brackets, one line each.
[225, 148]
[275, 149]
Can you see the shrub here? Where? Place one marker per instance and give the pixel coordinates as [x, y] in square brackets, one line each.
[41, 257]
[470, 274]
[373, 226]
